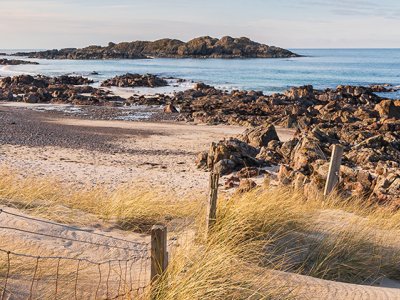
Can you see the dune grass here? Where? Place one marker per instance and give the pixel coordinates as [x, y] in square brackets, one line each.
[280, 229]
[348, 240]
[130, 207]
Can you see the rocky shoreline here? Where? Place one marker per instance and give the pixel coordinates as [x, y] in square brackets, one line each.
[14, 62]
[365, 124]
[201, 47]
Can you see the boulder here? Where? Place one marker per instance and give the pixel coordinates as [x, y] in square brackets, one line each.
[389, 109]
[260, 136]
[31, 98]
[234, 154]
[305, 153]
[225, 167]
[201, 160]
[135, 80]
[303, 92]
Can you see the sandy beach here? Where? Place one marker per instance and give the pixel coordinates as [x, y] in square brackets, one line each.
[90, 152]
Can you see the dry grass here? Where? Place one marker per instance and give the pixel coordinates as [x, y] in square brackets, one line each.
[131, 207]
[334, 239]
[346, 240]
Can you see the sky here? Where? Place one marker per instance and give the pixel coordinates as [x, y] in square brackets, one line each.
[48, 24]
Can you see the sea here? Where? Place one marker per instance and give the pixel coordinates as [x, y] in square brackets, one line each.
[322, 68]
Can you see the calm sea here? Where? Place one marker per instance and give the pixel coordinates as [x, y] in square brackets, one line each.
[320, 67]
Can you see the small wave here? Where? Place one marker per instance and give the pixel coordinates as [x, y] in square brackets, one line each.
[8, 71]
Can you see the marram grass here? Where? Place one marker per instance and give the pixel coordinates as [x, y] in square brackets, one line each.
[349, 240]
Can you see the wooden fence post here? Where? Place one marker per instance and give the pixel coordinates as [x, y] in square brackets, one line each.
[334, 169]
[212, 201]
[159, 254]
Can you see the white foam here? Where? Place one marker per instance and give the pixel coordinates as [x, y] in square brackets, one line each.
[135, 116]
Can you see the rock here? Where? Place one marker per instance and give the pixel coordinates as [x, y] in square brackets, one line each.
[246, 185]
[201, 86]
[249, 172]
[387, 188]
[234, 155]
[31, 98]
[304, 154]
[389, 109]
[303, 92]
[225, 167]
[231, 182]
[70, 80]
[13, 62]
[170, 109]
[287, 148]
[260, 136]
[201, 160]
[201, 47]
[135, 80]
[285, 175]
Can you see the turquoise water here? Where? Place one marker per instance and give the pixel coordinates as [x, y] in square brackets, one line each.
[322, 68]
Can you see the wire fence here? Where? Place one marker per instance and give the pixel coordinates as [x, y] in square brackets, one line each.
[76, 276]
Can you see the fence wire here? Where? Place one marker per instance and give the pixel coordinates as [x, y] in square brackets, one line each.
[26, 276]
[2, 211]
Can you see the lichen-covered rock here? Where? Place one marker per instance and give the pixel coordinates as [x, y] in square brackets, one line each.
[260, 136]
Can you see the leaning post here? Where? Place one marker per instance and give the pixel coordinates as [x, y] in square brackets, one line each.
[159, 254]
[334, 169]
[212, 200]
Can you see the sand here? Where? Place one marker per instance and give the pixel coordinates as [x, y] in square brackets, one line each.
[97, 152]
[94, 152]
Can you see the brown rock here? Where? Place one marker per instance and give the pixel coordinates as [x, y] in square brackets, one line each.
[246, 185]
[389, 109]
[260, 136]
[170, 109]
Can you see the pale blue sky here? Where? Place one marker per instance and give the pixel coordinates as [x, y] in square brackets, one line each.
[285, 23]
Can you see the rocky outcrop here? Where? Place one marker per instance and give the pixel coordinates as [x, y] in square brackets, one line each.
[366, 125]
[13, 62]
[62, 89]
[202, 47]
[135, 80]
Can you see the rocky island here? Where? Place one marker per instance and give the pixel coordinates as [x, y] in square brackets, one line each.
[14, 62]
[202, 47]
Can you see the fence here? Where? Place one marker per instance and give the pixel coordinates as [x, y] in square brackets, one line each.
[128, 274]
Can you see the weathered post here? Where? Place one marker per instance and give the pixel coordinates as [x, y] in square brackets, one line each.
[334, 169]
[212, 201]
[159, 254]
